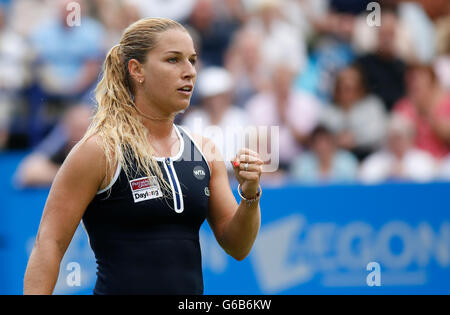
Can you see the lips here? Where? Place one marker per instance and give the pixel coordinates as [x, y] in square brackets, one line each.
[186, 88]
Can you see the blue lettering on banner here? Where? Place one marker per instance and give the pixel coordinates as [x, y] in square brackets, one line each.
[311, 244]
[313, 240]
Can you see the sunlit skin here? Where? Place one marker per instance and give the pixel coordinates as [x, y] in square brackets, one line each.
[169, 67]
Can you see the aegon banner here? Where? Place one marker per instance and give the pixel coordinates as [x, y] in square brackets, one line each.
[388, 239]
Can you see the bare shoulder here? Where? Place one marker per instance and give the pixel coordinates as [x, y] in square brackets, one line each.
[73, 188]
[87, 158]
[88, 150]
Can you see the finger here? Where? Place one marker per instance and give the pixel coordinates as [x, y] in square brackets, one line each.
[250, 159]
[251, 167]
[248, 151]
[235, 163]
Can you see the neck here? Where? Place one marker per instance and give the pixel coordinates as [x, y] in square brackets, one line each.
[159, 125]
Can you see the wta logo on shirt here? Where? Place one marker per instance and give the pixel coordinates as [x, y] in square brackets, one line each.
[199, 172]
[145, 189]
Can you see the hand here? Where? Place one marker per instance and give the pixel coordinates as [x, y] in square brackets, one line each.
[248, 179]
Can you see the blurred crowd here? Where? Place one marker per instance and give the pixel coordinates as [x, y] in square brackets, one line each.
[357, 96]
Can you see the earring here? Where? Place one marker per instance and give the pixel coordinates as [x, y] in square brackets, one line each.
[140, 81]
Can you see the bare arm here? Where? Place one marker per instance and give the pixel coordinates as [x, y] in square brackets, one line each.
[74, 187]
[235, 226]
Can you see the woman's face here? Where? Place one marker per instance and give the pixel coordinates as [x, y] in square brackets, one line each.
[323, 145]
[348, 87]
[169, 72]
[419, 84]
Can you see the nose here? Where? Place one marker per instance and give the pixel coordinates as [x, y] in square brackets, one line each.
[189, 72]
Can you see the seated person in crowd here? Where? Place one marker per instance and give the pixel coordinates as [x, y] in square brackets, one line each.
[244, 61]
[442, 61]
[400, 159]
[384, 69]
[427, 107]
[356, 117]
[14, 77]
[212, 31]
[324, 162]
[68, 56]
[41, 166]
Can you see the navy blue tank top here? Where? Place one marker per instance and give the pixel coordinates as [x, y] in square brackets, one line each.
[147, 243]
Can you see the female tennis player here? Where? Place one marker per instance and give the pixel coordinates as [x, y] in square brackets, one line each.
[141, 185]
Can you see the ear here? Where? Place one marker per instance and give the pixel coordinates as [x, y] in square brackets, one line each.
[136, 70]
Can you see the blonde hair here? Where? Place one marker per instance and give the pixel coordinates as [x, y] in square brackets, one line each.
[117, 121]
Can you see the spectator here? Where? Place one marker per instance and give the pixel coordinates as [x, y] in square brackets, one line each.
[281, 41]
[115, 16]
[427, 106]
[178, 10]
[357, 117]
[420, 29]
[217, 111]
[303, 13]
[296, 113]
[14, 76]
[366, 38]
[384, 70]
[400, 160]
[324, 162]
[14, 59]
[25, 15]
[213, 32]
[68, 61]
[331, 50]
[244, 61]
[233, 11]
[39, 168]
[339, 17]
[442, 62]
[69, 57]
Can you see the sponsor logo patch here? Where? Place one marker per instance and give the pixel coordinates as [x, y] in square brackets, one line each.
[199, 172]
[145, 189]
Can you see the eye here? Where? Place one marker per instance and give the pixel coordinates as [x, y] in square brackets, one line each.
[193, 61]
[173, 60]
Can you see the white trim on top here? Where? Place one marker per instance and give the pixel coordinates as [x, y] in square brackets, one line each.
[114, 179]
[198, 148]
[177, 182]
[180, 152]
